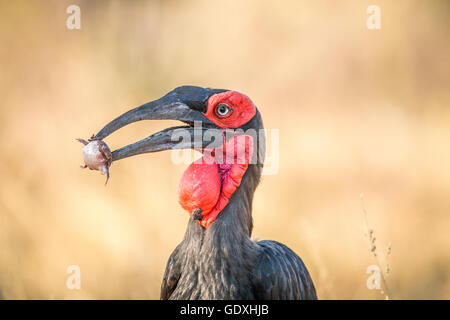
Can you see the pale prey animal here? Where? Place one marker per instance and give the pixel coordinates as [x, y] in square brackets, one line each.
[97, 156]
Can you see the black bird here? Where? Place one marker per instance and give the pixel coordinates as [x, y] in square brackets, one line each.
[217, 259]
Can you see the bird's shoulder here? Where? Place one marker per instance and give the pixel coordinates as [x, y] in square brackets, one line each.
[171, 275]
[280, 274]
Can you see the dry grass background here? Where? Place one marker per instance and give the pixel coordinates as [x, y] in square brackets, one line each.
[358, 111]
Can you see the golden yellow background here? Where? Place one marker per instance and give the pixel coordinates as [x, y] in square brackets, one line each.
[359, 111]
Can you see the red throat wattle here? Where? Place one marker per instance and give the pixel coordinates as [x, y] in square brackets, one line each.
[209, 182]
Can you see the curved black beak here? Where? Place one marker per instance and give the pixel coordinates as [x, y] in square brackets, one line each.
[186, 104]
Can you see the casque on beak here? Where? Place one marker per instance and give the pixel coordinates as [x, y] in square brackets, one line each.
[186, 104]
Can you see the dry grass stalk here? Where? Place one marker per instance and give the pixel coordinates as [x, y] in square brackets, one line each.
[373, 251]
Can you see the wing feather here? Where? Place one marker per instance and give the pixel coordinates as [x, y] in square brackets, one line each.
[281, 274]
[171, 275]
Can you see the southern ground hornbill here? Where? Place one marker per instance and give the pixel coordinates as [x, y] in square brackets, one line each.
[217, 259]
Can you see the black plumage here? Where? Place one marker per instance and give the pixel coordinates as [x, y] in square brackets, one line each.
[223, 262]
[220, 261]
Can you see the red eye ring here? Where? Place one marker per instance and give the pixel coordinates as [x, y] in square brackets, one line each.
[223, 111]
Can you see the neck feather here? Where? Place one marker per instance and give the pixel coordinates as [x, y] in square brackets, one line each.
[218, 260]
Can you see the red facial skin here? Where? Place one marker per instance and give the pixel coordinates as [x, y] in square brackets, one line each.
[209, 182]
[242, 109]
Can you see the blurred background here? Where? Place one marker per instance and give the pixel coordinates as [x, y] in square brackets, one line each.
[359, 111]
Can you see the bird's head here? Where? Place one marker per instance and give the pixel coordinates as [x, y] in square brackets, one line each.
[224, 125]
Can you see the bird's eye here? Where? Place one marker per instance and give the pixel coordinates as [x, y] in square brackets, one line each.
[222, 110]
